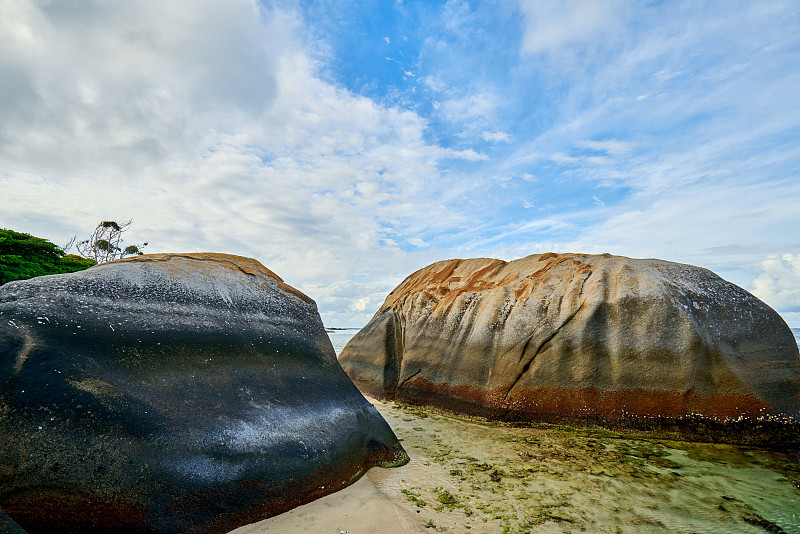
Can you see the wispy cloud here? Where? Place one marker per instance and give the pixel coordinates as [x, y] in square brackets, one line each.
[496, 137]
[609, 146]
[553, 27]
[470, 108]
[499, 129]
[209, 126]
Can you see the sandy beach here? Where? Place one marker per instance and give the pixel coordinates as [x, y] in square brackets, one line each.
[473, 477]
[359, 508]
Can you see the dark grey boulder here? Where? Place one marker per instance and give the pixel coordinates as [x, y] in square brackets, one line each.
[173, 393]
[8, 526]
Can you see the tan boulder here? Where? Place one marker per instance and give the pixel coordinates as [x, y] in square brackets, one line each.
[592, 337]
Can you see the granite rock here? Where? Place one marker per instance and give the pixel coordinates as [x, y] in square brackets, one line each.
[173, 393]
[576, 336]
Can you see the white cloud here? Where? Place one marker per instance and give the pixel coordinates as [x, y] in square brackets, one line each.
[433, 83]
[496, 137]
[664, 75]
[726, 229]
[456, 14]
[561, 158]
[360, 304]
[519, 230]
[778, 284]
[703, 170]
[207, 124]
[122, 84]
[551, 27]
[478, 106]
[609, 146]
[216, 125]
[467, 154]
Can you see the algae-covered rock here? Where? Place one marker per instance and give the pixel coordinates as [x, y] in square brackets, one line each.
[173, 393]
[554, 336]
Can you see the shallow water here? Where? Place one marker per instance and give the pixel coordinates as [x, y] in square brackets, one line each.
[474, 477]
[468, 476]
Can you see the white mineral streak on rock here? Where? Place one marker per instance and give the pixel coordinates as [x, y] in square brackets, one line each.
[272, 425]
[26, 350]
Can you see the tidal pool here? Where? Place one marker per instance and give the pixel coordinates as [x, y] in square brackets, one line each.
[469, 476]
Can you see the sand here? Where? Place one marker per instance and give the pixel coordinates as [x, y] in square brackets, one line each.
[473, 477]
[358, 509]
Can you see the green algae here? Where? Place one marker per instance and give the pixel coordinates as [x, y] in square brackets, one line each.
[486, 478]
[446, 498]
[414, 497]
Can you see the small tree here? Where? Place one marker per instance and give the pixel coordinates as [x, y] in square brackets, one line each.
[105, 243]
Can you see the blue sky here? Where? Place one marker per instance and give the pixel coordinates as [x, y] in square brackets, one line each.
[347, 144]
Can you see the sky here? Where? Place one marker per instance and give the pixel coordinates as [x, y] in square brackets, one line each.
[346, 144]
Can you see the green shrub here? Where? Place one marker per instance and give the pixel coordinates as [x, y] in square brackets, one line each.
[24, 256]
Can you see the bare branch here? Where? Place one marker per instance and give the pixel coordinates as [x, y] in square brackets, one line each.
[105, 243]
[69, 244]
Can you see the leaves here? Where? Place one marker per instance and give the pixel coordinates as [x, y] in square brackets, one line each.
[24, 256]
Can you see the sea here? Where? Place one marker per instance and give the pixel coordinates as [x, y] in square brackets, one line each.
[340, 337]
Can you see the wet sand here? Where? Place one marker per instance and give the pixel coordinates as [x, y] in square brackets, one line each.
[467, 476]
